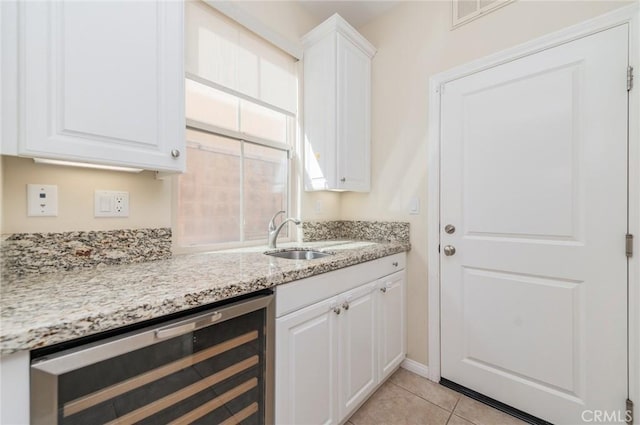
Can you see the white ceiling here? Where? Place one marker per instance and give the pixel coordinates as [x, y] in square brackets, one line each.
[356, 12]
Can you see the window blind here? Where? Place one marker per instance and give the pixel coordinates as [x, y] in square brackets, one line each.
[228, 56]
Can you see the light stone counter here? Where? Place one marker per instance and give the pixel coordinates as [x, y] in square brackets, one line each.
[37, 310]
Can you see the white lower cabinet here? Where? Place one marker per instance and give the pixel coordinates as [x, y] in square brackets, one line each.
[392, 323]
[332, 354]
[306, 365]
[357, 370]
[14, 388]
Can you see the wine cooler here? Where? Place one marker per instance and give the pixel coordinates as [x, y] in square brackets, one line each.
[211, 367]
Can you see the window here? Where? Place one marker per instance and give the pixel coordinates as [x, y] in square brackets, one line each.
[241, 98]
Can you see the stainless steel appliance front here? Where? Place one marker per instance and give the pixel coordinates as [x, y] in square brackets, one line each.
[211, 367]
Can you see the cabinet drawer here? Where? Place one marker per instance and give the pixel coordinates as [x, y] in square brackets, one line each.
[301, 293]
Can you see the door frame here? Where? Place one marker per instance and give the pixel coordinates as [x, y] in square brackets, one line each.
[628, 14]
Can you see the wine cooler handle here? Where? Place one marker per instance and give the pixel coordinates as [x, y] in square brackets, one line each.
[180, 329]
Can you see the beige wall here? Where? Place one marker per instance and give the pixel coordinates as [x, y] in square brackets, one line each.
[287, 18]
[414, 42]
[149, 198]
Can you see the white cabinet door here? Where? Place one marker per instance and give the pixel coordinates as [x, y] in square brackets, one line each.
[391, 322]
[103, 82]
[357, 375]
[8, 77]
[306, 365]
[353, 117]
[320, 115]
[14, 388]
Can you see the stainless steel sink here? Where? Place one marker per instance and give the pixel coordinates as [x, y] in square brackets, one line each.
[299, 254]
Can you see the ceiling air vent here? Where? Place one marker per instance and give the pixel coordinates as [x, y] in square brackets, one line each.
[463, 11]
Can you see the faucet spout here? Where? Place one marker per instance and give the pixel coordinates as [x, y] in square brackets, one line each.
[274, 231]
[272, 222]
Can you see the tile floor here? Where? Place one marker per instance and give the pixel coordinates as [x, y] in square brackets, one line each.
[407, 398]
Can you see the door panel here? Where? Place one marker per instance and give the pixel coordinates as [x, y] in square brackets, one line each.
[393, 345]
[507, 316]
[306, 363]
[534, 179]
[354, 82]
[357, 376]
[539, 160]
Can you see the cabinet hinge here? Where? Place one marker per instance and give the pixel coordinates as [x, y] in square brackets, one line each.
[629, 413]
[629, 78]
[629, 245]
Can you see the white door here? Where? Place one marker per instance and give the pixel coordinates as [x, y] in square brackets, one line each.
[357, 330]
[306, 361]
[534, 179]
[392, 328]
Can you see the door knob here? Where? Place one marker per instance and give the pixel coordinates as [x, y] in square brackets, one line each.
[449, 250]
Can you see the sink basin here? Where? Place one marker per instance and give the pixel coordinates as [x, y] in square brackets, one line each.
[299, 254]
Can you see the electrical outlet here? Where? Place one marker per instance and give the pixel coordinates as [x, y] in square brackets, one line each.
[121, 203]
[109, 203]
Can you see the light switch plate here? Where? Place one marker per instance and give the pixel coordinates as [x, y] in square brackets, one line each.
[42, 200]
[109, 203]
[414, 206]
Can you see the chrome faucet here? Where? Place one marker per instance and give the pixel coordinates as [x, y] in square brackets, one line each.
[273, 230]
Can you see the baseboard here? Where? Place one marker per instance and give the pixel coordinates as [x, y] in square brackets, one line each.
[415, 367]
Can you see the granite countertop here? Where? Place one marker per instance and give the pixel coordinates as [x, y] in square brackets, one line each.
[43, 309]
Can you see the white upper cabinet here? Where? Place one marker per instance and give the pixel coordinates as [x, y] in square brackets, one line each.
[103, 82]
[8, 77]
[337, 107]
